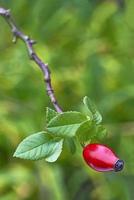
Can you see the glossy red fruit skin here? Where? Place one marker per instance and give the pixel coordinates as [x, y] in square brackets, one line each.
[101, 158]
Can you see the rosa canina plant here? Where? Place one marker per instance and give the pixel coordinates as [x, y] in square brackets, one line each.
[61, 126]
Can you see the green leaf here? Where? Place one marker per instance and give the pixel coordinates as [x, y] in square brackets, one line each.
[93, 112]
[50, 114]
[38, 146]
[101, 132]
[86, 131]
[66, 124]
[70, 144]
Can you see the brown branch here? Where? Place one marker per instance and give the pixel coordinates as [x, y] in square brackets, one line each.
[33, 56]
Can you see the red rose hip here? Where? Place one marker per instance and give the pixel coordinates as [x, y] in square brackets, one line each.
[101, 158]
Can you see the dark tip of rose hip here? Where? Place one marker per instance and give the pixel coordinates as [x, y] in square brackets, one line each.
[119, 165]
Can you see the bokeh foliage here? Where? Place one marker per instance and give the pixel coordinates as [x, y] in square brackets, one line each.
[89, 47]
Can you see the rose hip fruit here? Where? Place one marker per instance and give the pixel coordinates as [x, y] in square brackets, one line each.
[101, 158]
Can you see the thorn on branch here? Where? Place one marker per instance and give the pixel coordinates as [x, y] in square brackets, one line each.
[14, 40]
[27, 38]
[33, 42]
[31, 54]
[5, 13]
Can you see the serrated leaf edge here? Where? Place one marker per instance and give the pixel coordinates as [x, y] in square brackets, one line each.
[19, 155]
[65, 113]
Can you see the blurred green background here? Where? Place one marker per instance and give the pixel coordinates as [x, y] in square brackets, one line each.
[89, 45]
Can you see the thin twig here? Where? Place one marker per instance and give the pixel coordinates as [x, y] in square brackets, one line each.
[33, 56]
